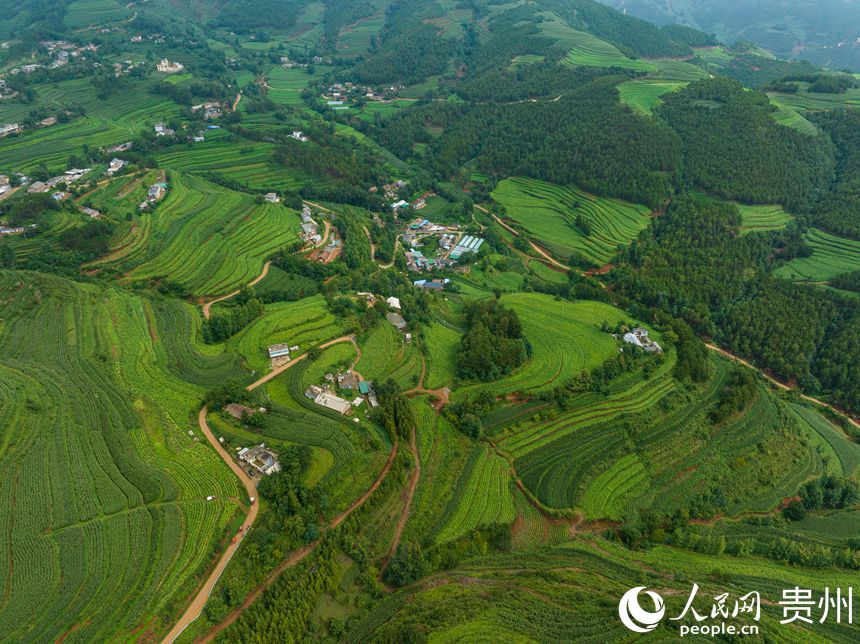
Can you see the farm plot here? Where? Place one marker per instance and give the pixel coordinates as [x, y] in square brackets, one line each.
[305, 323]
[548, 213]
[85, 396]
[549, 325]
[482, 497]
[83, 13]
[209, 239]
[385, 355]
[644, 95]
[248, 162]
[831, 256]
[763, 218]
[610, 492]
[590, 51]
[285, 85]
[442, 346]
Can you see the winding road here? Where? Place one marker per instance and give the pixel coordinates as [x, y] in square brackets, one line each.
[540, 251]
[192, 612]
[208, 305]
[782, 385]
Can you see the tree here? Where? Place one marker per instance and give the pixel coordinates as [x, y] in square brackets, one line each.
[407, 565]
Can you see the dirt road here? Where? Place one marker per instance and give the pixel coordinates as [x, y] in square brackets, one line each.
[253, 282]
[540, 251]
[299, 555]
[408, 495]
[783, 385]
[197, 605]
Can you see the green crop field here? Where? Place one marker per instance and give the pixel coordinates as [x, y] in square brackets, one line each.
[386, 355]
[792, 116]
[83, 13]
[582, 457]
[549, 324]
[755, 219]
[305, 323]
[590, 51]
[207, 238]
[285, 85]
[831, 256]
[644, 95]
[548, 213]
[87, 391]
[443, 343]
[482, 496]
[248, 162]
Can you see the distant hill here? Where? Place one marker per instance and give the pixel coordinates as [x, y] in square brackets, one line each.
[824, 32]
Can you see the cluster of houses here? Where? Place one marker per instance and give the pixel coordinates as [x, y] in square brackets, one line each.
[69, 177]
[310, 230]
[391, 190]
[155, 193]
[16, 230]
[432, 285]
[339, 93]
[123, 68]
[639, 337]
[347, 381]
[208, 110]
[26, 69]
[166, 66]
[261, 459]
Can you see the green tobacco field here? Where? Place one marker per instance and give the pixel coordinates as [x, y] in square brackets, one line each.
[549, 212]
[831, 256]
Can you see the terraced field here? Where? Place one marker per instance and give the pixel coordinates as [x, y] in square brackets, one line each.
[285, 85]
[386, 355]
[648, 442]
[483, 496]
[644, 95]
[590, 51]
[443, 343]
[831, 256]
[82, 13]
[757, 219]
[87, 390]
[248, 162]
[548, 212]
[209, 239]
[549, 324]
[305, 323]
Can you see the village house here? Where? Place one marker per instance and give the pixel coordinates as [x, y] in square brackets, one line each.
[639, 337]
[4, 180]
[431, 285]
[393, 302]
[325, 398]
[91, 212]
[115, 166]
[279, 350]
[299, 136]
[468, 244]
[17, 230]
[167, 67]
[238, 411]
[122, 147]
[347, 380]
[272, 197]
[48, 122]
[210, 110]
[261, 459]
[9, 128]
[38, 186]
